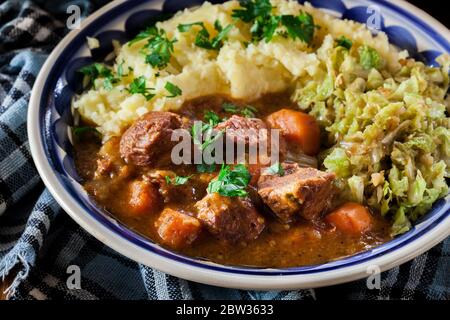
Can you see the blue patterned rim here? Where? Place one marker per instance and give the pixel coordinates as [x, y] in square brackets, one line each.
[62, 83]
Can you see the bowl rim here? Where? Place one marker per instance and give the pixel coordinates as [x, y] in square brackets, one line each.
[202, 272]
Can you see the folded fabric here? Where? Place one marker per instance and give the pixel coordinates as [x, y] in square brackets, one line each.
[39, 243]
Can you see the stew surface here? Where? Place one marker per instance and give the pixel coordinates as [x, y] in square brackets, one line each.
[290, 216]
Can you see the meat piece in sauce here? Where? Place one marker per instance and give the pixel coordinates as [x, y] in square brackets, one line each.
[193, 190]
[304, 192]
[230, 219]
[251, 132]
[110, 163]
[177, 229]
[242, 130]
[149, 138]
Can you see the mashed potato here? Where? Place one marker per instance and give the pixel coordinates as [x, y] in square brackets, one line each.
[240, 69]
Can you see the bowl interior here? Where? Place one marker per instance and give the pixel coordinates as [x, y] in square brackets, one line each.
[125, 20]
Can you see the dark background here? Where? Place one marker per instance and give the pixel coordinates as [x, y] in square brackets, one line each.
[440, 10]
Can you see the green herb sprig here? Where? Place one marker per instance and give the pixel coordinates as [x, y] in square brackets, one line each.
[202, 39]
[344, 42]
[98, 70]
[265, 24]
[231, 182]
[174, 90]
[248, 111]
[139, 86]
[177, 180]
[159, 48]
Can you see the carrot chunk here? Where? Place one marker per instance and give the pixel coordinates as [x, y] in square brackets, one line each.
[143, 198]
[351, 218]
[297, 127]
[177, 229]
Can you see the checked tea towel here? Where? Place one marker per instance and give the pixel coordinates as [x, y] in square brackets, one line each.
[38, 242]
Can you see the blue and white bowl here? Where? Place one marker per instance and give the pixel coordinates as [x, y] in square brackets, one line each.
[50, 117]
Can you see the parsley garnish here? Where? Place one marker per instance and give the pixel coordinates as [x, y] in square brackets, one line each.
[248, 111]
[344, 42]
[202, 39]
[158, 49]
[98, 70]
[178, 180]
[301, 26]
[275, 169]
[187, 26]
[203, 134]
[230, 107]
[252, 10]
[217, 41]
[139, 86]
[259, 14]
[206, 168]
[212, 118]
[173, 90]
[147, 33]
[369, 58]
[231, 182]
[120, 73]
[265, 24]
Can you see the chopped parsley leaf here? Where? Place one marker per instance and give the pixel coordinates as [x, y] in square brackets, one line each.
[139, 86]
[204, 134]
[212, 118]
[187, 26]
[230, 107]
[147, 33]
[173, 90]
[98, 70]
[265, 24]
[202, 39]
[206, 168]
[301, 26]
[178, 180]
[231, 182]
[158, 49]
[344, 42]
[248, 111]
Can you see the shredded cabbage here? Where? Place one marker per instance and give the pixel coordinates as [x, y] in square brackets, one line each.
[388, 130]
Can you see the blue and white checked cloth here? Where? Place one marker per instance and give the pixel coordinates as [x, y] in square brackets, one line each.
[38, 241]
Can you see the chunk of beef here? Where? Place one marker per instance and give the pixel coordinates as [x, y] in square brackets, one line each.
[149, 138]
[304, 192]
[194, 189]
[110, 163]
[230, 219]
[243, 130]
[177, 229]
[250, 132]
